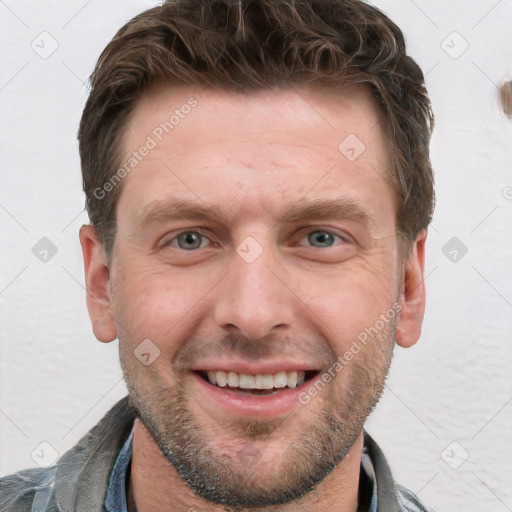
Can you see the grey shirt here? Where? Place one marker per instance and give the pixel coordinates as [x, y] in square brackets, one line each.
[80, 479]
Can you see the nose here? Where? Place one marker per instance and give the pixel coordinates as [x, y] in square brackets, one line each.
[254, 299]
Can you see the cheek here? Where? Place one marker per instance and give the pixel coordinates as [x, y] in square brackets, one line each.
[155, 304]
[345, 303]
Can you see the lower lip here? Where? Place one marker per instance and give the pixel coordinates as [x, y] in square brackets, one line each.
[264, 406]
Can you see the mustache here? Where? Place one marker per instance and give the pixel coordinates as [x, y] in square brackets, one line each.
[237, 346]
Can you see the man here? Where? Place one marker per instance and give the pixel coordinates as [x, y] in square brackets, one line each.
[258, 181]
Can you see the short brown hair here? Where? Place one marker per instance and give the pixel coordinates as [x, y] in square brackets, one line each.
[254, 44]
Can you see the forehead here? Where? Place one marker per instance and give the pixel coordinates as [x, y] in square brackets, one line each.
[259, 149]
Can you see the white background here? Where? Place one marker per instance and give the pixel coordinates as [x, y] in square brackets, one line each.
[454, 386]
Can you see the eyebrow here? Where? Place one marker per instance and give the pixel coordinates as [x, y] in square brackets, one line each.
[327, 209]
[299, 211]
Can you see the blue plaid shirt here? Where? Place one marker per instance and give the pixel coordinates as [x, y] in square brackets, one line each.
[115, 500]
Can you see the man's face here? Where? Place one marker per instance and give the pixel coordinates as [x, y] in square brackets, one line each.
[249, 241]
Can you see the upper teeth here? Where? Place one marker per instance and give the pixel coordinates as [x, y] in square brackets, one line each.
[262, 381]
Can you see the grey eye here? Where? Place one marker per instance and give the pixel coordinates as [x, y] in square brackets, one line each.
[189, 240]
[322, 238]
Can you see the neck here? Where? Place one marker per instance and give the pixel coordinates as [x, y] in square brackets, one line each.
[157, 486]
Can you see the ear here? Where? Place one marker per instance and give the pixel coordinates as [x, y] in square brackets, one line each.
[97, 282]
[412, 295]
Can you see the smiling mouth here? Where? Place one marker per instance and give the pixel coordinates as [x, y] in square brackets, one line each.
[261, 384]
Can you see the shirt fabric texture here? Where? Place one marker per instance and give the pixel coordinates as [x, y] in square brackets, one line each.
[92, 475]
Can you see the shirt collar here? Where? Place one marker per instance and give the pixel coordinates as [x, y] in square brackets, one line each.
[115, 500]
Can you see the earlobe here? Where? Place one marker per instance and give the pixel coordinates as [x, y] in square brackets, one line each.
[97, 282]
[413, 296]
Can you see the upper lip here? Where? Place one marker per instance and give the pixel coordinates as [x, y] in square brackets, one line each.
[251, 368]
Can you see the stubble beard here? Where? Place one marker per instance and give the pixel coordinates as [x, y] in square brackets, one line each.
[313, 452]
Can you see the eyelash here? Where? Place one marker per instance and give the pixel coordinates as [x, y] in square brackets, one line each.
[167, 243]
